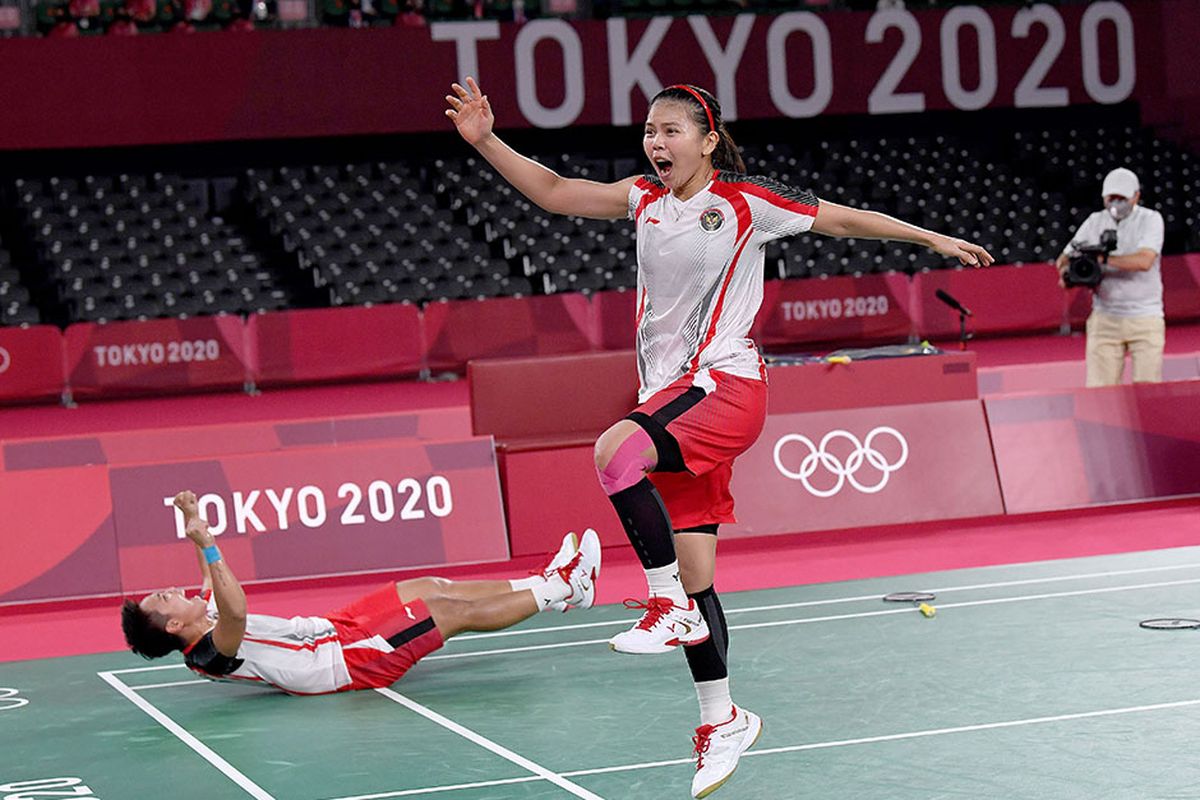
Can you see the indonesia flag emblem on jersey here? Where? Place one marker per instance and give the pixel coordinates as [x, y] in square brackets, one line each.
[711, 219]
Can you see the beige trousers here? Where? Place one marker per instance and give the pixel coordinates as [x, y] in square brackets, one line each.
[1109, 338]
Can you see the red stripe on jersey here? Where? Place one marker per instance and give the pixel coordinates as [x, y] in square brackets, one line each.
[712, 327]
[313, 645]
[652, 193]
[741, 208]
[774, 199]
[641, 309]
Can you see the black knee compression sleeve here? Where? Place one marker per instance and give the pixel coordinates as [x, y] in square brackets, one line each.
[646, 523]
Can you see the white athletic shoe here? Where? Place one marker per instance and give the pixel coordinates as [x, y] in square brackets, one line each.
[582, 570]
[662, 627]
[718, 748]
[566, 551]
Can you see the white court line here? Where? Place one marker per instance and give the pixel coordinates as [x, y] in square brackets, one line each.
[144, 669]
[892, 737]
[776, 623]
[488, 744]
[255, 791]
[852, 599]
[452, 787]
[228, 770]
[835, 617]
[169, 684]
[968, 603]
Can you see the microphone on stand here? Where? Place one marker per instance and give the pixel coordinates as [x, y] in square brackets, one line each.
[950, 301]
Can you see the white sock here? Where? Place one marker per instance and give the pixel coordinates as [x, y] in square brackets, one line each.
[664, 582]
[518, 584]
[549, 592]
[715, 704]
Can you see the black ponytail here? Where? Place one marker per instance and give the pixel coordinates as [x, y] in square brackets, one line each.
[706, 112]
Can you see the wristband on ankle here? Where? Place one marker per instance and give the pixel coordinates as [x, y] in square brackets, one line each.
[211, 554]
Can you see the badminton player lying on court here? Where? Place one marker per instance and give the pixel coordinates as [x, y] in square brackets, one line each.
[368, 644]
[702, 225]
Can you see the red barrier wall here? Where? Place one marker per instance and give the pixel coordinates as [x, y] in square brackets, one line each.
[389, 341]
[330, 497]
[58, 533]
[521, 399]
[872, 466]
[31, 364]
[550, 491]
[1097, 446]
[1181, 286]
[203, 441]
[880, 382]
[616, 319]
[871, 308]
[459, 330]
[172, 355]
[550, 484]
[342, 510]
[333, 344]
[1066, 375]
[1007, 299]
[555, 74]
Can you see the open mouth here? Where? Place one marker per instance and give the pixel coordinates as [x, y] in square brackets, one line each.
[663, 166]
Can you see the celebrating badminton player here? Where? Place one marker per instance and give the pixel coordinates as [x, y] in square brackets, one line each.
[701, 228]
[368, 644]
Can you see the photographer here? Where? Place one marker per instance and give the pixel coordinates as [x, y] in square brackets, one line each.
[1127, 303]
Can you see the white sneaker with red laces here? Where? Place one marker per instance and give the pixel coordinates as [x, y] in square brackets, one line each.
[566, 551]
[718, 748]
[581, 572]
[662, 627]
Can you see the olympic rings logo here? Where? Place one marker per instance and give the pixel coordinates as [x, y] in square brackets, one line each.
[5, 359]
[863, 452]
[9, 700]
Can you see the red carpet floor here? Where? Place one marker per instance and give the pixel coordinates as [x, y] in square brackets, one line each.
[1007, 350]
[212, 409]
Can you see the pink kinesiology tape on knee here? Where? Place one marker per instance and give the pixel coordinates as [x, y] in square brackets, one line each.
[628, 465]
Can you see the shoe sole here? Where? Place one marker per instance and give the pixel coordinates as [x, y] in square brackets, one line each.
[710, 789]
[591, 599]
[668, 647]
[588, 602]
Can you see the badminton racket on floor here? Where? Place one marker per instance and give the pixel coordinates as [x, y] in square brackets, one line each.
[920, 600]
[1170, 624]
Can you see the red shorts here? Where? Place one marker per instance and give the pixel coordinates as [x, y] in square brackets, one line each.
[697, 435]
[408, 628]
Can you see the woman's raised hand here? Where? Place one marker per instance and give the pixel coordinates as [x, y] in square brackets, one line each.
[967, 253]
[470, 111]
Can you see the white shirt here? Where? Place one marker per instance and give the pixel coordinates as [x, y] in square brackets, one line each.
[301, 655]
[1127, 293]
[700, 273]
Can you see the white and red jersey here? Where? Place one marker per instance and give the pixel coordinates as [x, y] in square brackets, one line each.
[369, 643]
[300, 655]
[700, 273]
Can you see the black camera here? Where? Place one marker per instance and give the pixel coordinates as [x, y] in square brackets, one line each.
[1083, 268]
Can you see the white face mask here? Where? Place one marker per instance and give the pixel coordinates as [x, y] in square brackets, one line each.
[1120, 209]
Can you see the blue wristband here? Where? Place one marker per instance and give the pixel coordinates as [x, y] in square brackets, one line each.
[211, 554]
